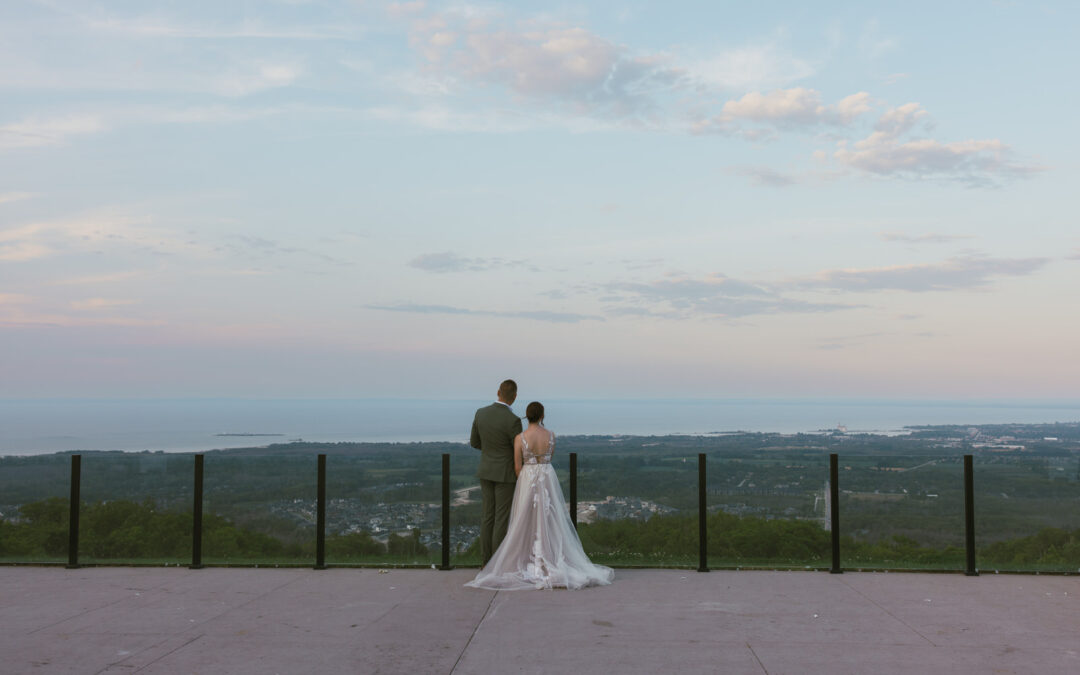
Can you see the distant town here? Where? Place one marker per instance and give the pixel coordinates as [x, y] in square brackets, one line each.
[906, 484]
[754, 485]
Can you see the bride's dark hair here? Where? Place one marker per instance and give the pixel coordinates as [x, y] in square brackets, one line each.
[534, 412]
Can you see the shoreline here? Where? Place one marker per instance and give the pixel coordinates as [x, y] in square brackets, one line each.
[840, 431]
[29, 427]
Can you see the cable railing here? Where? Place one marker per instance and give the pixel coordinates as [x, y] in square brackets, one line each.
[911, 513]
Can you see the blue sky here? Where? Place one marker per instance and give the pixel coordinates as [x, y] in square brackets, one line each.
[337, 199]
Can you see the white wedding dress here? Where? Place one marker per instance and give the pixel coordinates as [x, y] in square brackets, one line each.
[541, 548]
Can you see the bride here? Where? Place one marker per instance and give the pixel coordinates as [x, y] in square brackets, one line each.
[541, 548]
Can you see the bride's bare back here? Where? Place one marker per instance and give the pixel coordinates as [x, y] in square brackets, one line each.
[535, 445]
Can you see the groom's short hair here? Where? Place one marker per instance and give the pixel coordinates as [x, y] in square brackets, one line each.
[508, 390]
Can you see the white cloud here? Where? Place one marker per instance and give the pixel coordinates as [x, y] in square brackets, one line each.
[108, 20]
[783, 109]
[885, 153]
[258, 248]
[573, 68]
[952, 274]
[43, 131]
[57, 131]
[207, 114]
[10, 197]
[569, 63]
[715, 296]
[17, 251]
[847, 341]
[976, 162]
[492, 120]
[408, 9]
[765, 176]
[930, 238]
[899, 120]
[484, 69]
[227, 75]
[93, 304]
[569, 77]
[109, 48]
[254, 77]
[14, 298]
[19, 310]
[592, 78]
[536, 60]
[795, 106]
[850, 107]
[452, 262]
[109, 278]
[156, 27]
[18, 317]
[750, 67]
[420, 84]
[106, 229]
[534, 315]
[683, 297]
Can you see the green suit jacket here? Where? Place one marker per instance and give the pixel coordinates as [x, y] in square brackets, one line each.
[493, 432]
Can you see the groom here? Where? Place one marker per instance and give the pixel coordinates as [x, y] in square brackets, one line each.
[493, 432]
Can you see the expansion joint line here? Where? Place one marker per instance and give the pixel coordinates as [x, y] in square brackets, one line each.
[147, 665]
[875, 604]
[756, 658]
[475, 630]
[75, 616]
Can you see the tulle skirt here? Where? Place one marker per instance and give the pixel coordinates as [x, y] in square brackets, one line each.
[541, 548]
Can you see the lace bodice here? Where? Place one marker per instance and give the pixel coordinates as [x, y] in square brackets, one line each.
[530, 456]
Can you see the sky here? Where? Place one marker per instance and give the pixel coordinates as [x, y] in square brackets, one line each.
[308, 199]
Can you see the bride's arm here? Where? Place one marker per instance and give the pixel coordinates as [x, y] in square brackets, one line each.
[517, 455]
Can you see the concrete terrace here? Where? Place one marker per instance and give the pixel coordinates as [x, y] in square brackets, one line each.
[216, 620]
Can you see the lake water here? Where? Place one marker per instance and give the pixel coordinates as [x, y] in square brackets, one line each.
[41, 426]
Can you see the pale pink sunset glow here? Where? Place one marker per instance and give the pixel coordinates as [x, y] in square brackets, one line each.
[370, 199]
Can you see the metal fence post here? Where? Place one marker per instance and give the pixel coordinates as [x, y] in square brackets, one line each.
[196, 516]
[573, 488]
[703, 554]
[73, 513]
[834, 510]
[969, 515]
[446, 513]
[320, 515]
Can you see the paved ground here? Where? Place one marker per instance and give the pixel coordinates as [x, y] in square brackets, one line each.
[237, 621]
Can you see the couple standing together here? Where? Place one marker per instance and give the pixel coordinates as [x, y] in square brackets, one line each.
[527, 539]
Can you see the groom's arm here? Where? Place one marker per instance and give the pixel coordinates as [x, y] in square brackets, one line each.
[517, 455]
[474, 439]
